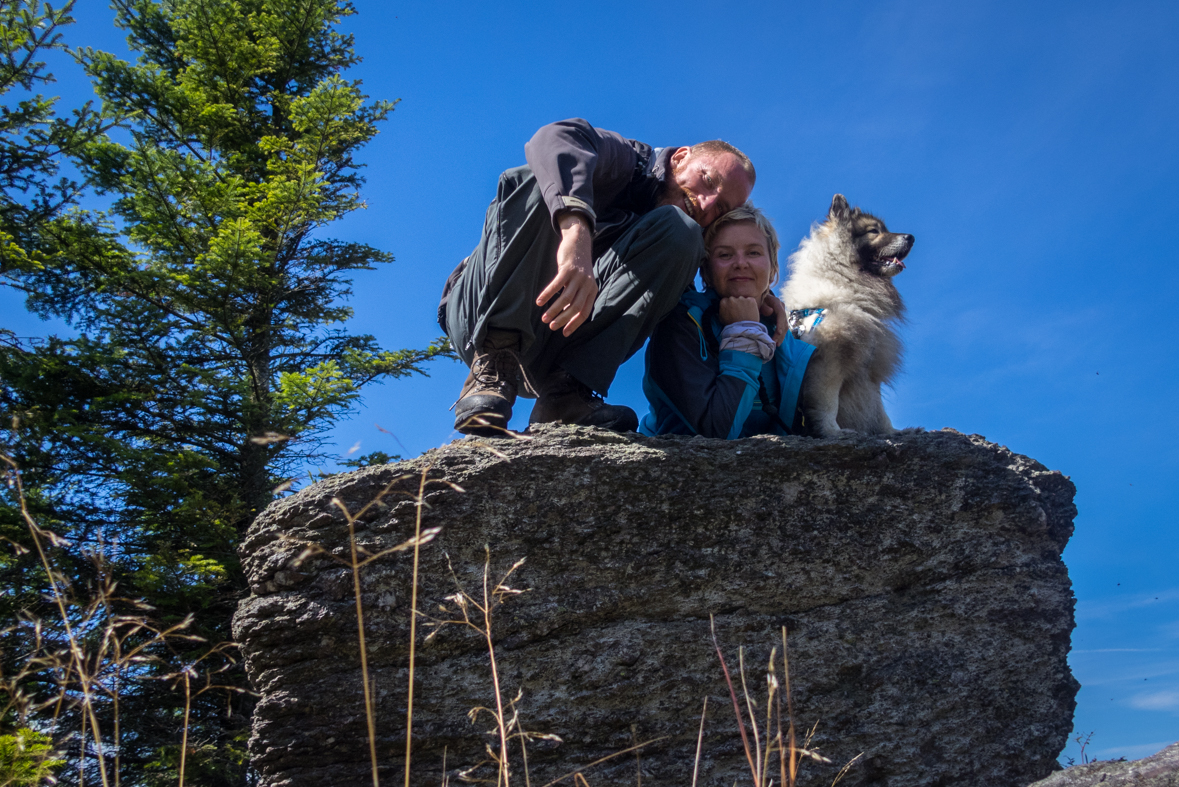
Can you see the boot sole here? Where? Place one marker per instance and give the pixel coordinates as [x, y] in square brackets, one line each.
[625, 421]
[483, 420]
[622, 422]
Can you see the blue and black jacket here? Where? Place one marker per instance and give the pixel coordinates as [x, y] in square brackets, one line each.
[696, 388]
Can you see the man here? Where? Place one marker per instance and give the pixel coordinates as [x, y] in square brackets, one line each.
[583, 251]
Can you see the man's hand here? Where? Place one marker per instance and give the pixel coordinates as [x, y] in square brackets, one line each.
[574, 286]
[738, 309]
[770, 305]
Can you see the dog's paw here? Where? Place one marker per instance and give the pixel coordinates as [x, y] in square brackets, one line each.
[834, 431]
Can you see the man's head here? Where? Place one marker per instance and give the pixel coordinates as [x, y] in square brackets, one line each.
[708, 180]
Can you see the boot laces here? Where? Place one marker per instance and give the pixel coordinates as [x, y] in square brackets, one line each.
[496, 369]
[567, 384]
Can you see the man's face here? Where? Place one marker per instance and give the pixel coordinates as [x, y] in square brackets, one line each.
[706, 185]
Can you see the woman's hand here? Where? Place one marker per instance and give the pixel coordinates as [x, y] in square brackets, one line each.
[738, 309]
[770, 305]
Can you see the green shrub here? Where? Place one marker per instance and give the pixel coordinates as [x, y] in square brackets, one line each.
[26, 759]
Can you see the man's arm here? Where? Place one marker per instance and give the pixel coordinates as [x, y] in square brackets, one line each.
[578, 167]
[574, 285]
[574, 164]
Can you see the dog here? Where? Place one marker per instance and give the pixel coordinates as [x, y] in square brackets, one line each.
[841, 298]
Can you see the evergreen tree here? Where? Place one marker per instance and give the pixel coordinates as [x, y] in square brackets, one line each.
[211, 356]
[32, 136]
[33, 142]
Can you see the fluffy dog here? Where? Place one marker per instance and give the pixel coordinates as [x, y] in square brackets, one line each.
[842, 300]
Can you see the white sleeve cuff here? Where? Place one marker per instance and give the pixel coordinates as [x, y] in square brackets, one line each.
[748, 336]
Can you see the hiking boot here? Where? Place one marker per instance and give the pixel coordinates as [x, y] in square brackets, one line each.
[485, 405]
[565, 400]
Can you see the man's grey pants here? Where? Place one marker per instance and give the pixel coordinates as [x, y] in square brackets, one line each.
[640, 277]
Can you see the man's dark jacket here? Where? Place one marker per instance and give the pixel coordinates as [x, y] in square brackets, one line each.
[609, 179]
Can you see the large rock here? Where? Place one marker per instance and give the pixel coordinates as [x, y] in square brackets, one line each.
[919, 576]
[1157, 770]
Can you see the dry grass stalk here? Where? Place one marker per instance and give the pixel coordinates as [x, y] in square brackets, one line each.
[359, 558]
[481, 422]
[186, 675]
[126, 641]
[699, 743]
[476, 614]
[790, 754]
[419, 505]
[634, 736]
[846, 767]
[576, 774]
[736, 706]
[789, 711]
[99, 649]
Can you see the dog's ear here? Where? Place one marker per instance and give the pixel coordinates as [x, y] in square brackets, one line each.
[839, 209]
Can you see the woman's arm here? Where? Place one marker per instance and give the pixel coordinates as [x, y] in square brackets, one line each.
[711, 393]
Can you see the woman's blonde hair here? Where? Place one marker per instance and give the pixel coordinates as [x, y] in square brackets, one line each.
[735, 216]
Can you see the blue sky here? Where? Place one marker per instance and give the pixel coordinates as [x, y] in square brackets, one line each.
[1030, 148]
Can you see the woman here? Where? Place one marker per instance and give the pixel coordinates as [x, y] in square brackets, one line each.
[712, 365]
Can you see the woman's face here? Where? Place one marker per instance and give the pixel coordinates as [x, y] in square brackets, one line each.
[739, 261]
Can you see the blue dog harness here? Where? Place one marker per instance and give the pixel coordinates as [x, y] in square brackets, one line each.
[803, 322]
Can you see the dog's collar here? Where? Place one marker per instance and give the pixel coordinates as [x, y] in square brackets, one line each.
[804, 321]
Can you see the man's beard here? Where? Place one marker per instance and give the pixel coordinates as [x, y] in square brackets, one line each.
[674, 195]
